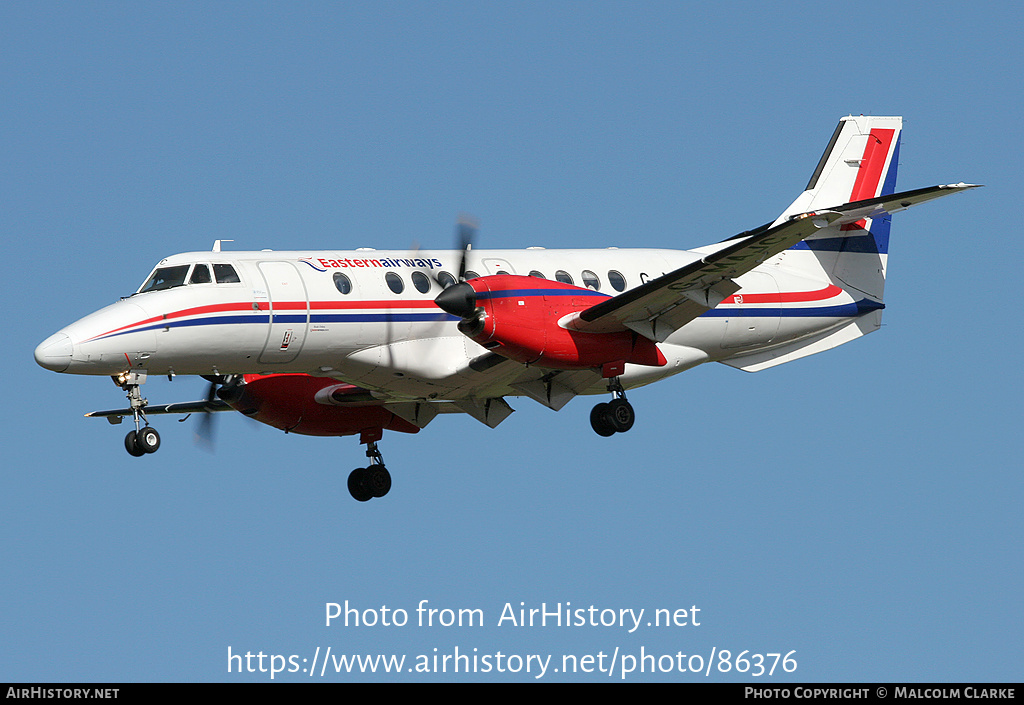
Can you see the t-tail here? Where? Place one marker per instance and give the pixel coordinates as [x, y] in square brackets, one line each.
[859, 164]
[855, 181]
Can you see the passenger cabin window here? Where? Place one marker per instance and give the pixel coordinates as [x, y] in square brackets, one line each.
[343, 283]
[446, 280]
[563, 276]
[421, 282]
[200, 275]
[226, 274]
[470, 274]
[617, 281]
[395, 282]
[165, 278]
[535, 273]
[590, 280]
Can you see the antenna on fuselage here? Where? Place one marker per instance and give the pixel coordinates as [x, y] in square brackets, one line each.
[216, 244]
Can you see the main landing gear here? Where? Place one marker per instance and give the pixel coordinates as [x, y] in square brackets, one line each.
[615, 416]
[374, 481]
[144, 439]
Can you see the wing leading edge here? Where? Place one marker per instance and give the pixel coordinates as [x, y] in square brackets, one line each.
[663, 305]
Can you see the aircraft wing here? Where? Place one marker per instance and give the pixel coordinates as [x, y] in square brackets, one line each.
[183, 407]
[661, 306]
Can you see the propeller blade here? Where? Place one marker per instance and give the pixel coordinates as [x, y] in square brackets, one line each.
[466, 230]
[204, 435]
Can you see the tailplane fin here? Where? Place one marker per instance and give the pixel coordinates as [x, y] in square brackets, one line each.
[859, 163]
[855, 180]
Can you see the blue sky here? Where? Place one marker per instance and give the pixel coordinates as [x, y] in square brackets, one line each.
[860, 508]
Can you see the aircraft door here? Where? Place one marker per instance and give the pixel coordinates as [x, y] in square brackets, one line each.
[289, 312]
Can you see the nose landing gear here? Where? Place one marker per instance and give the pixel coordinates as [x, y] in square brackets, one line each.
[144, 439]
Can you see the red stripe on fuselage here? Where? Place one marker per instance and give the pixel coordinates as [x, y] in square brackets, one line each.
[415, 303]
[785, 297]
[278, 306]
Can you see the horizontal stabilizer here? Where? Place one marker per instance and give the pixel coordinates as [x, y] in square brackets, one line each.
[873, 208]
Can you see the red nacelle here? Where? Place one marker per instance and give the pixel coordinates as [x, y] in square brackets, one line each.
[288, 402]
[520, 321]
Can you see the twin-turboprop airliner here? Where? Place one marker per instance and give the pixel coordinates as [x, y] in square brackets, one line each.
[340, 343]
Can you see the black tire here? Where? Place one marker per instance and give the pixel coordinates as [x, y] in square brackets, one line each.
[131, 446]
[378, 480]
[148, 440]
[620, 415]
[600, 420]
[357, 486]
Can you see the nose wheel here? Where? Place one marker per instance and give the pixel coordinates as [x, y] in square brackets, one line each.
[615, 416]
[144, 439]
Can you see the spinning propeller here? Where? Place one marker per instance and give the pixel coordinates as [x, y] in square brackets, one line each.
[223, 387]
[460, 299]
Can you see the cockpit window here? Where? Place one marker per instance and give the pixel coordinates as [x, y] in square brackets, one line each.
[165, 278]
[225, 274]
[200, 275]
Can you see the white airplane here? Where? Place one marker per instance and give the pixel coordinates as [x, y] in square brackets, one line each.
[340, 343]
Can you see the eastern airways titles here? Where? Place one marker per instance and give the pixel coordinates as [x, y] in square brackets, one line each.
[560, 615]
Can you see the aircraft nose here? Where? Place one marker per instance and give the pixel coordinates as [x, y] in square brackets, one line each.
[54, 353]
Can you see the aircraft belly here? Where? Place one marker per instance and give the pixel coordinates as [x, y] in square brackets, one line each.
[417, 368]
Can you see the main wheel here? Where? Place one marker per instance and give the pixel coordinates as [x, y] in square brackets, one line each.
[621, 415]
[148, 440]
[357, 485]
[131, 446]
[600, 420]
[378, 480]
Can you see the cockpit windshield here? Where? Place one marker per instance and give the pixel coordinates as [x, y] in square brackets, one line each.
[165, 278]
[177, 275]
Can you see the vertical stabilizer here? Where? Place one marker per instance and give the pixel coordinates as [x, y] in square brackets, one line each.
[859, 163]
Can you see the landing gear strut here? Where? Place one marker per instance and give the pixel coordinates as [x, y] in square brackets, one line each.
[144, 439]
[374, 481]
[616, 416]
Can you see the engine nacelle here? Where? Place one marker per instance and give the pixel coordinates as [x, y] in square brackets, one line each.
[313, 406]
[517, 317]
